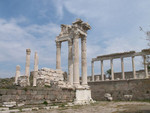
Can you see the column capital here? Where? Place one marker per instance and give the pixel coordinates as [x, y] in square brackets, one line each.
[70, 42]
[58, 44]
[18, 68]
[28, 51]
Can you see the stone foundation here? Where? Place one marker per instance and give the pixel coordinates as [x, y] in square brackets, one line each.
[135, 89]
[36, 95]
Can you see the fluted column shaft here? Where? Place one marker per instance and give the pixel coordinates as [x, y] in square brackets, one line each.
[133, 68]
[17, 74]
[92, 64]
[70, 62]
[58, 55]
[84, 61]
[145, 67]
[122, 68]
[102, 70]
[35, 68]
[112, 69]
[76, 61]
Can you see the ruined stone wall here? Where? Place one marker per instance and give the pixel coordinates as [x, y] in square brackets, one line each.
[128, 75]
[36, 95]
[138, 88]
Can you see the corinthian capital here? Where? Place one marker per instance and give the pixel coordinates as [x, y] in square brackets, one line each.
[28, 51]
[58, 44]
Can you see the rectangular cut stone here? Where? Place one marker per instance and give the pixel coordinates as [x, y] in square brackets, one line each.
[83, 96]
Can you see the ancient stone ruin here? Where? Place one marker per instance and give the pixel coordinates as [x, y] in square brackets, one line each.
[121, 56]
[50, 86]
[55, 78]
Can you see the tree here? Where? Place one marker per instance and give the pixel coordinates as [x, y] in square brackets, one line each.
[108, 72]
[147, 33]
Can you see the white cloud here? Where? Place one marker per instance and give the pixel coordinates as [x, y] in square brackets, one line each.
[15, 39]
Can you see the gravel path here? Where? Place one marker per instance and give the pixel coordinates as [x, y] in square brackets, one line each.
[103, 107]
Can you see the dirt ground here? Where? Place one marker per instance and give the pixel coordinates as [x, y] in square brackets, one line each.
[102, 107]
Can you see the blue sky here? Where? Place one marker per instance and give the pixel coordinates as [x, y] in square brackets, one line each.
[34, 24]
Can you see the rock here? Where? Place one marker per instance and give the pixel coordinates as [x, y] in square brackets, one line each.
[54, 107]
[9, 104]
[21, 104]
[128, 97]
[4, 109]
[108, 96]
[27, 109]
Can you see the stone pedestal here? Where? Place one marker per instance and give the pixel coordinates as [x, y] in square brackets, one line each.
[83, 96]
[97, 78]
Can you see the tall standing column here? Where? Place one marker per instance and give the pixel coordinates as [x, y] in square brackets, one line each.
[133, 67]
[112, 70]
[92, 64]
[76, 61]
[70, 62]
[145, 67]
[27, 69]
[17, 74]
[58, 55]
[35, 68]
[122, 68]
[102, 70]
[84, 61]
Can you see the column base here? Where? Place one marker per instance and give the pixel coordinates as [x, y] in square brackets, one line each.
[83, 96]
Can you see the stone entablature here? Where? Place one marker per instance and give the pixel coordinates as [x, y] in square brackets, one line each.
[123, 55]
[72, 33]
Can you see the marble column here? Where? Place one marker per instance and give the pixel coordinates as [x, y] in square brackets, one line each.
[133, 68]
[112, 69]
[17, 74]
[70, 62]
[58, 55]
[27, 68]
[102, 70]
[145, 67]
[92, 64]
[122, 68]
[84, 61]
[76, 72]
[35, 68]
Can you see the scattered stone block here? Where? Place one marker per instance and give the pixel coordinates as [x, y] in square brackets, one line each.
[128, 97]
[4, 109]
[47, 108]
[27, 109]
[9, 104]
[54, 107]
[21, 104]
[108, 96]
